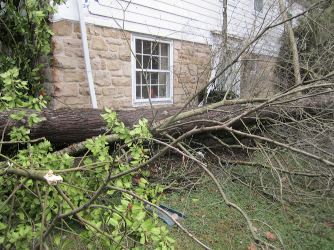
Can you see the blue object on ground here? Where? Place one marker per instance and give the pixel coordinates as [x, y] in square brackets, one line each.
[163, 216]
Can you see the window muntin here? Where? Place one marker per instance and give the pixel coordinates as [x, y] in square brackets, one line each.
[152, 69]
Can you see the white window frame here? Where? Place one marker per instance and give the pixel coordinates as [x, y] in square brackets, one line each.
[155, 101]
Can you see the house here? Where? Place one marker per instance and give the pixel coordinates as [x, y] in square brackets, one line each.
[165, 49]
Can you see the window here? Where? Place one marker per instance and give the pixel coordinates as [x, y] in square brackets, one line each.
[151, 71]
[258, 5]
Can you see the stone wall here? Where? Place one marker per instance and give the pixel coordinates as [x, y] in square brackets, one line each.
[110, 56]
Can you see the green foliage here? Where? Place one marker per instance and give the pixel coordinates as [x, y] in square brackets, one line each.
[25, 36]
[14, 93]
[121, 216]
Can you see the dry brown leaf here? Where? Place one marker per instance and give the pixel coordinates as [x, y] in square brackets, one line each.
[211, 242]
[197, 214]
[137, 180]
[328, 224]
[270, 236]
[251, 246]
[182, 199]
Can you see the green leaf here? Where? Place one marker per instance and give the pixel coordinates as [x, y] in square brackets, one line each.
[147, 223]
[57, 240]
[66, 243]
[170, 239]
[22, 217]
[2, 225]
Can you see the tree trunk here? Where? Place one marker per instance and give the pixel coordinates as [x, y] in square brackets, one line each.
[75, 125]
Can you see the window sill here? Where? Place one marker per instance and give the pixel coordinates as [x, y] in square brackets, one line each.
[144, 103]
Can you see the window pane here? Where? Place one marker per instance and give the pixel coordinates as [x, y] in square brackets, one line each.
[144, 92]
[147, 47]
[155, 48]
[154, 78]
[164, 84]
[147, 62]
[162, 78]
[164, 63]
[138, 78]
[154, 92]
[138, 61]
[162, 91]
[155, 62]
[138, 94]
[138, 46]
[164, 49]
[145, 79]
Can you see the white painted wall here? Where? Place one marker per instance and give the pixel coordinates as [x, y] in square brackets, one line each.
[190, 20]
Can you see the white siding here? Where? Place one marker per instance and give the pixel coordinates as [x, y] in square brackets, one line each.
[190, 20]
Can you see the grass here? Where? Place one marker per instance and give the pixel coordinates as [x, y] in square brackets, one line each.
[220, 227]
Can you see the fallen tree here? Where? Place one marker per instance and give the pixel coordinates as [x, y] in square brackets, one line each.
[76, 125]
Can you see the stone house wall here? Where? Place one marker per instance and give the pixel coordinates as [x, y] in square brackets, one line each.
[110, 55]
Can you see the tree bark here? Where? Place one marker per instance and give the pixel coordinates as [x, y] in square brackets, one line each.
[75, 125]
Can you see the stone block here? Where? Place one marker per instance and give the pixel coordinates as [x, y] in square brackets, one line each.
[103, 64]
[113, 48]
[177, 44]
[93, 30]
[77, 100]
[74, 78]
[73, 43]
[109, 32]
[124, 53]
[62, 28]
[57, 46]
[192, 69]
[114, 65]
[98, 43]
[76, 27]
[85, 91]
[120, 90]
[122, 103]
[66, 89]
[78, 53]
[126, 35]
[128, 91]
[102, 78]
[89, 37]
[115, 41]
[126, 67]
[109, 91]
[105, 101]
[69, 71]
[64, 62]
[108, 55]
[94, 64]
[57, 75]
[121, 81]
[69, 52]
[185, 79]
[117, 73]
[178, 91]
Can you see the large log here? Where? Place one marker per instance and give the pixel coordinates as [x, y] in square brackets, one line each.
[75, 125]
